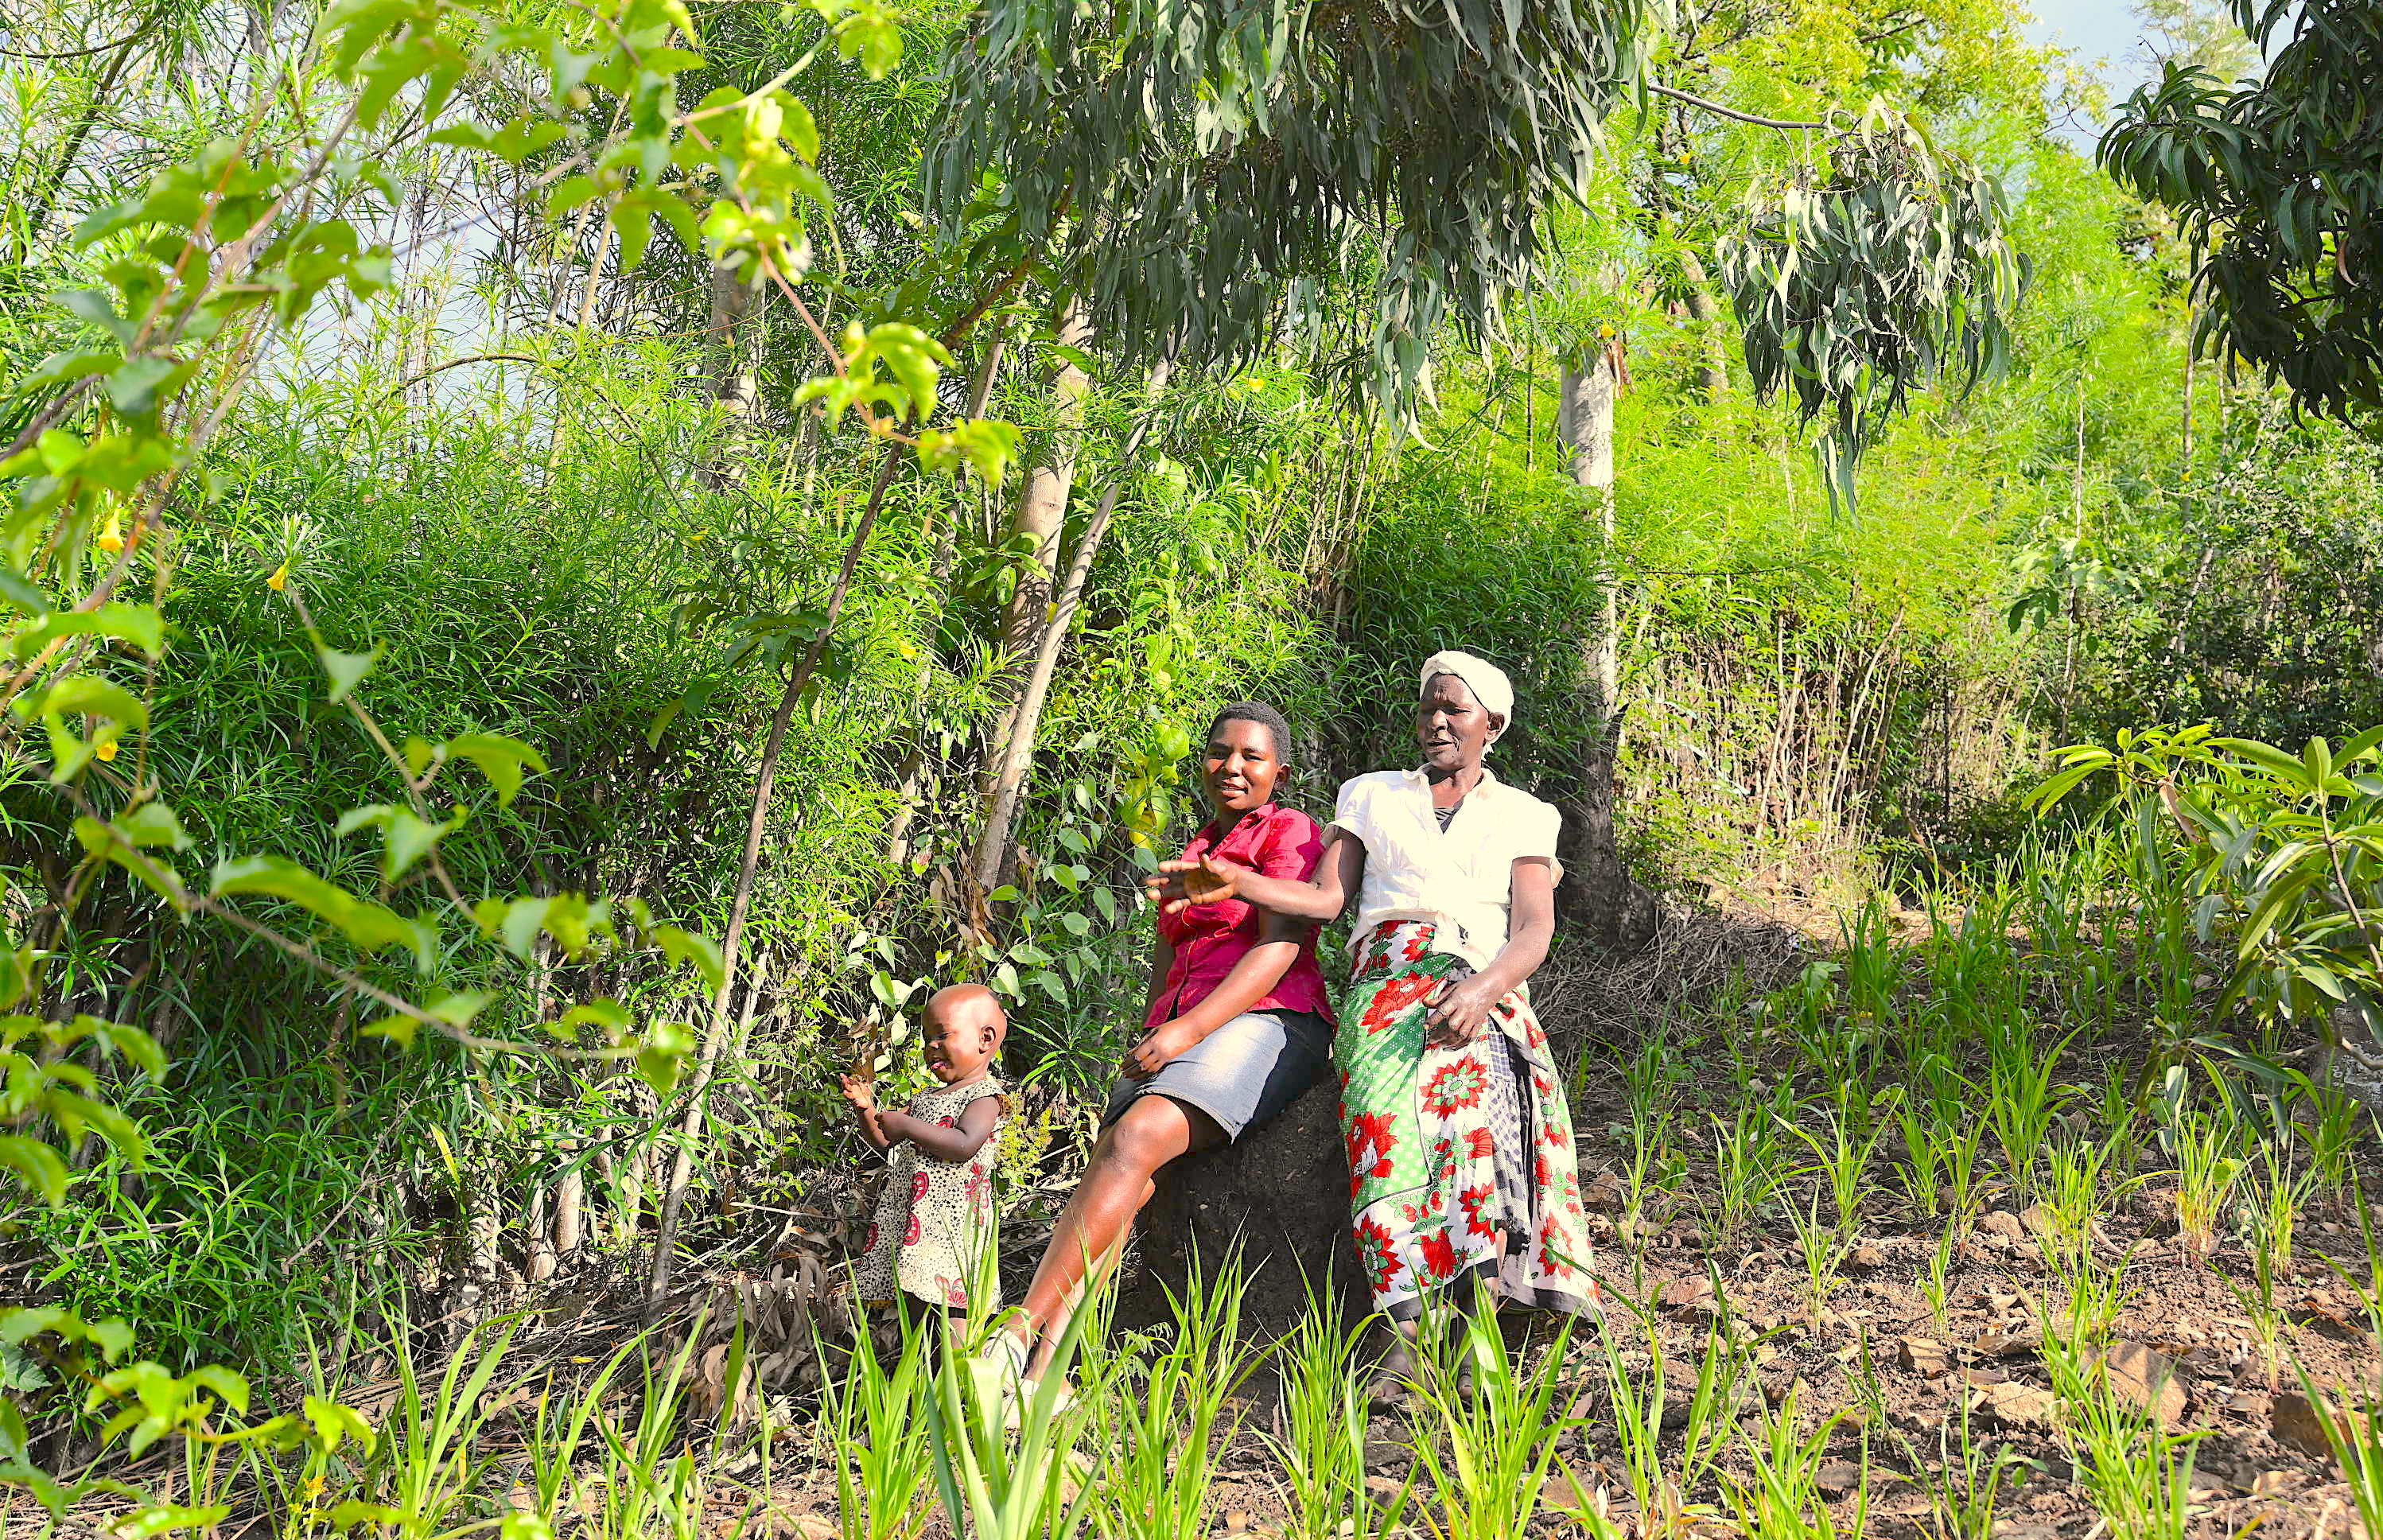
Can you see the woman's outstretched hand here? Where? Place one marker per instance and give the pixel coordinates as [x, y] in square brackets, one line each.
[1153, 1053]
[1460, 1013]
[1179, 884]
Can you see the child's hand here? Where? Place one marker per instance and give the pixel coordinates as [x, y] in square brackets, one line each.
[860, 1093]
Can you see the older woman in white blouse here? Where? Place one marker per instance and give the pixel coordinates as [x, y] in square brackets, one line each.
[1461, 1160]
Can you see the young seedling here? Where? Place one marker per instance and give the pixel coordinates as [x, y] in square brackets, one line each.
[2205, 1144]
[1485, 1455]
[1159, 1441]
[2020, 1095]
[1665, 1493]
[1320, 1433]
[870, 1417]
[1822, 1246]
[1783, 1500]
[1746, 1171]
[1933, 1283]
[2139, 1477]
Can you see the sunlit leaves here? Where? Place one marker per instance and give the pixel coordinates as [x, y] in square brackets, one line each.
[505, 761]
[892, 367]
[2279, 184]
[140, 625]
[1856, 283]
[370, 927]
[406, 837]
[868, 31]
[1205, 168]
[982, 447]
[2285, 849]
[40, 1078]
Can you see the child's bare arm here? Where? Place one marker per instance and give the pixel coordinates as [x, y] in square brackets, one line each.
[863, 1094]
[938, 1143]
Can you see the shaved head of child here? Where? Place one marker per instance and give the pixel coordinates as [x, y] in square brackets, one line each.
[965, 1029]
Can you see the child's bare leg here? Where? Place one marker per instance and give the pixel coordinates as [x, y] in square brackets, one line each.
[1093, 1227]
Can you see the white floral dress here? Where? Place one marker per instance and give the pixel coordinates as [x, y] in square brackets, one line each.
[934, 1226]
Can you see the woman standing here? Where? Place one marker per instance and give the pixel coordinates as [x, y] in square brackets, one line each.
[1237, 1027]
[1460, 1156]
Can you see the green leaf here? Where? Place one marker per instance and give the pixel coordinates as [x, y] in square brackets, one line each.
[687, 947]
[458, 1008]
[661, 1055]
[99, 309]
[335, 1424]
[370, 925]
[166, 1518]
[19, 591]
[355, 1510]
[503, 760]
[347, 668]
[140, 624]
[153, 823]
[35, 1166]
[85, 694]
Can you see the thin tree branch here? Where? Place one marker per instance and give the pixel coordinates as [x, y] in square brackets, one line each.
[127, 41]
[1785, 125]
[715, 1035]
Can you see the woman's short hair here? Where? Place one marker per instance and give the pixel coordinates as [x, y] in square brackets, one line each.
[1265, 716]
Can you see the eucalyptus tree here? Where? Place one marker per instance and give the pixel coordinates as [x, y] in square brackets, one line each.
[1201, 175]
[2278, 182]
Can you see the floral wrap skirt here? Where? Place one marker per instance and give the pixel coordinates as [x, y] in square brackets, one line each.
[1461, 1159]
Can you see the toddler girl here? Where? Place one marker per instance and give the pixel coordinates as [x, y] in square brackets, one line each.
[933, 1239]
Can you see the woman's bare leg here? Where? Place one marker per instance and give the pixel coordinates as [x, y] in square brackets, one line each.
[1092, 1229]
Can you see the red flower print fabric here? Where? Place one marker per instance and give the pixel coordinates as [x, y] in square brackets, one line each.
[1436, 1191]
[934, 1226]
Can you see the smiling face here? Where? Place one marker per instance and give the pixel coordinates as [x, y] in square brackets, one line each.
[1243, 765]
[1453, 727]
[964, 1028]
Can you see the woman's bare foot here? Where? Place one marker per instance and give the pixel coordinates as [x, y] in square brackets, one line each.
[1393, 1384]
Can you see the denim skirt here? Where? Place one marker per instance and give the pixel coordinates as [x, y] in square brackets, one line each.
[1243, 1073]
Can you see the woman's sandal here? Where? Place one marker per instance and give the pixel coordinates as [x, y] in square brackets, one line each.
[1003, 1361]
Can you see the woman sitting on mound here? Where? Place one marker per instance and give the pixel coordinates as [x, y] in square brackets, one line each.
[1238, 1029]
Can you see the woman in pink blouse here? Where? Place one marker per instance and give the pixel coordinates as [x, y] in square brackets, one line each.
[1239, 1027]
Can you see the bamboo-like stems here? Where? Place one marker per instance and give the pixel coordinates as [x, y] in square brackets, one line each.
[716, 1028]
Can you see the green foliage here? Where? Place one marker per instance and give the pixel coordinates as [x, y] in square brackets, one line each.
[1854, 285]
[2286, 854]
[2275, 180]
[1410, 150]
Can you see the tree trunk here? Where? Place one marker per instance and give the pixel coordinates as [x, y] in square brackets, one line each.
[1043, 506]
[910, 797]
[735, 383]
[765, 783]
[571, 1207]
[1712, 375]
[1598, 893]
[993, 852]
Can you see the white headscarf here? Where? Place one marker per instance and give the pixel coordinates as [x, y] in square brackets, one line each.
[1487, 680]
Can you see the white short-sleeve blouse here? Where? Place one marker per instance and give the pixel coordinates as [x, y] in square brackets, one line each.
[1462, 881]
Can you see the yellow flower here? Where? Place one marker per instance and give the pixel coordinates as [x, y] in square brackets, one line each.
[104, 748]
[1606, 332]
[111, 539]
[280, 578]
